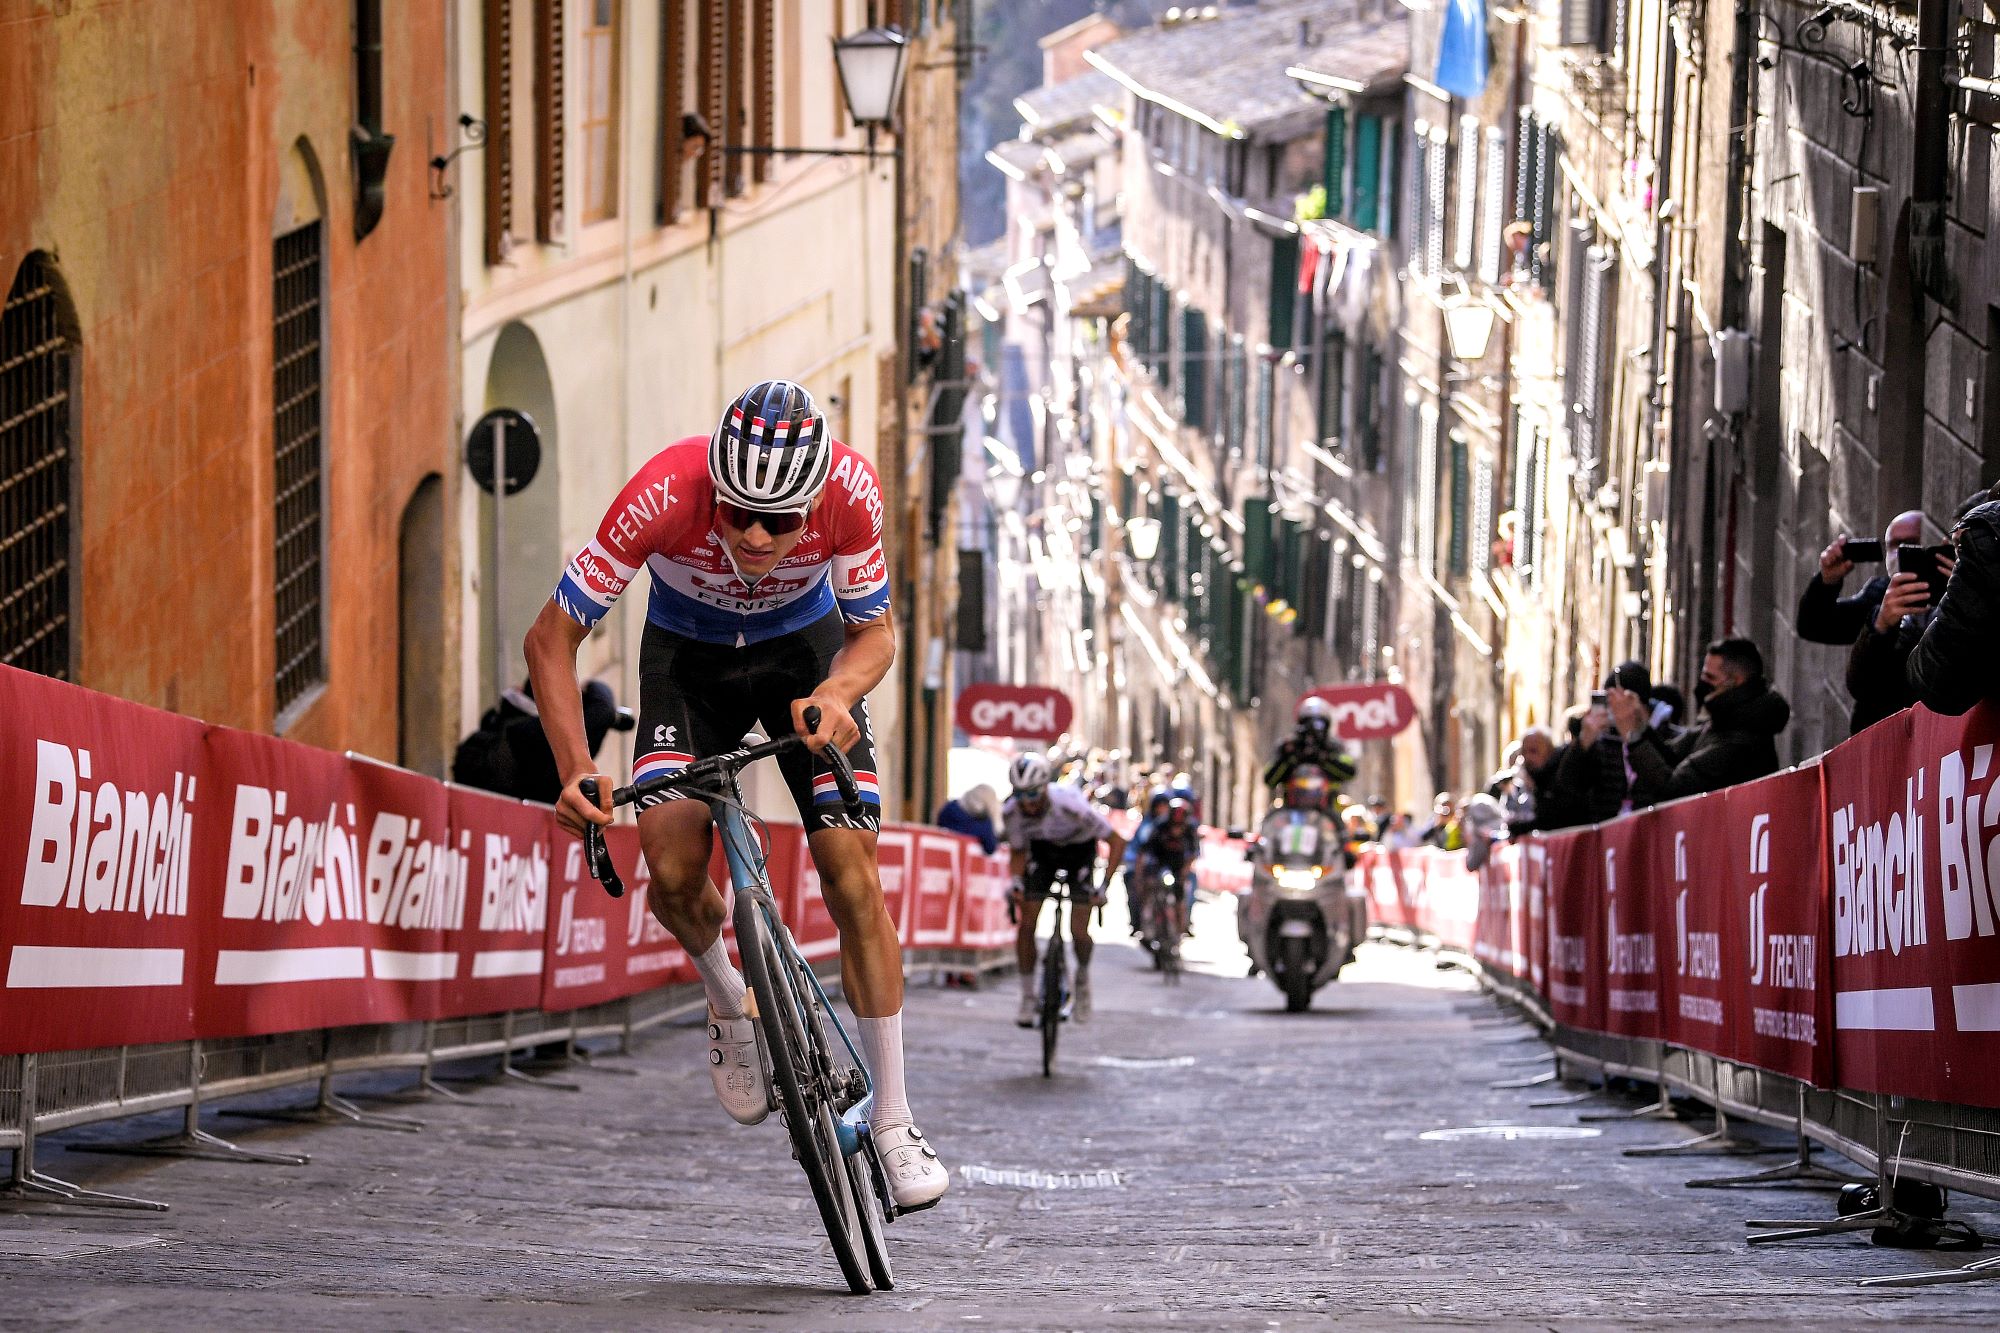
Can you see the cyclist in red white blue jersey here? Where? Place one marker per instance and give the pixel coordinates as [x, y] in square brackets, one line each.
[770, 595]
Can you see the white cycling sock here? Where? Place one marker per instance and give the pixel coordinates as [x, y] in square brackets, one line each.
[721, 980]
[1028, 986]
[882, 1047]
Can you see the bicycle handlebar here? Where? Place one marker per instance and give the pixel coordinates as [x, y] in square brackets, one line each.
[702, 772]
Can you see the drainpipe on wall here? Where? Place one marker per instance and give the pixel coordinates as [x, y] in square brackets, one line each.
[1931, 130]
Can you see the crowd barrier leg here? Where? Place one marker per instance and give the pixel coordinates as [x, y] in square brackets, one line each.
[1883, 1214]
[25, 1185]
[1802, 1172]
[330, 1108]
[1718, 1141]
[508, 1069]
[193, 1141]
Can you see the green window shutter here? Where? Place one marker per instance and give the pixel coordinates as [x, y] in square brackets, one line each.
[1170, 545]
[1461, 490]
[1163, 313]
[1284, 288]
[1333, 173]
[1394, 171]
[1194, 372]
[1237, 413]
[1368, 408]
[1367, 172]
[1128, 495]
[1242, 653]
[1267, 372]
[1332, 382]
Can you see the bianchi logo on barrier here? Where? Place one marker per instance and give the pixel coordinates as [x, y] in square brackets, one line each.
[103, 847]
[1878, 879]
[318, 870]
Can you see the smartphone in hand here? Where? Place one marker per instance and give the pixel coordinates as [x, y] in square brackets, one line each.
[1923, 562]
[1862, 550]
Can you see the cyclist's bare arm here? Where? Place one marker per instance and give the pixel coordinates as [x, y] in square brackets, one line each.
[551, 651]
[1116, 857]
[863, 660]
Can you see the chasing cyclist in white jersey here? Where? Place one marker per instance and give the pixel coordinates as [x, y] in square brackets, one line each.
[1048, 829]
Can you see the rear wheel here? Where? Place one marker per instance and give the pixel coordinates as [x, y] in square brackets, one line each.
[871, 1196]
[1295, 973]
[798, 1062]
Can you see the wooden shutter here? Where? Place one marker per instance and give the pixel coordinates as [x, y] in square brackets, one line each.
[1434, 184]
[1461, 494]
[709, 85]
[1493, 205]
[1284, 288]
[1333, 167]
[736, 102]
[498, 41]
[1466, 208]
[673, 103]
[764, 92]
[1582, 22]
[1367, 172]
[1194, 373]
[549, 148]
[1427, 486]
[1481, 546]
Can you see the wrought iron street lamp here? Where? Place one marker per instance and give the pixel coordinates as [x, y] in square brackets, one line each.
[870, 64]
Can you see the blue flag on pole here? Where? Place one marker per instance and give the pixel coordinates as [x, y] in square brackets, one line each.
[1462, 57]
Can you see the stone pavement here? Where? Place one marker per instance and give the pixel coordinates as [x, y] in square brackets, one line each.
[1268, 1175]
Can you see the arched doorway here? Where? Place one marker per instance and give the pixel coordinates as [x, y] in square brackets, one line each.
[512, 596]
[39, 481]
[421, 742]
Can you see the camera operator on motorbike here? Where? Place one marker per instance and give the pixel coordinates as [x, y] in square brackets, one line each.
[1299, 892]
[1312, 742]
[1048, 830]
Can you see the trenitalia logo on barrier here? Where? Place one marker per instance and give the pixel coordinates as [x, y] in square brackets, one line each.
[167, 880]
[1838, 923]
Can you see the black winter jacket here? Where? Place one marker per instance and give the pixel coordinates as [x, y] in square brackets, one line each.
[1737, 742]
[1876, 671]
[1827, 617]
[1957, 662]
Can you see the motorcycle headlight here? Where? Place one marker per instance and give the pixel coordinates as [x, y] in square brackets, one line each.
[1296, 880]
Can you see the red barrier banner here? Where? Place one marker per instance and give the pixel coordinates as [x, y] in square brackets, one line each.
[583, 962]
[505, 848]
[896, 856]
[1494, 930]
[1575, 939]
[982, 918]
[1635, 910]
[1448, 902]
[99, 931]
[934, 910]
[1913, 806]
[1396, 886]
[1780, 1013]
[1222, 866]
[1534, 933]
[795, 883]
[1692, 866]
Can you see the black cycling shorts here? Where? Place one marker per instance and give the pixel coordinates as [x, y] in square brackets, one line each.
[698, 699]
[1047, 859]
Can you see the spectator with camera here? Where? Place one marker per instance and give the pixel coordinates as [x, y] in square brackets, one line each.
[1827, 617]
[1736, 741]
[1877, 674]
[1594, 778]
[1952, 666]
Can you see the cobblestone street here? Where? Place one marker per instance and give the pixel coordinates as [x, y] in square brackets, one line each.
[1268, 1174]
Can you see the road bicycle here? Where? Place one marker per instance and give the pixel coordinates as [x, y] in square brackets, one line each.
[1055, 1004]
[1160, 907]
[820, 1089]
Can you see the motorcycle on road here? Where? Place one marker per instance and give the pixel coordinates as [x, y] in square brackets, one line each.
[1301, 921]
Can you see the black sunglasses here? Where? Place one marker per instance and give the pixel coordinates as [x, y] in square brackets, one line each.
[741, 519]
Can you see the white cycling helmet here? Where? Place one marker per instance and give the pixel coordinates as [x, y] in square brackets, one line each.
[1029, 772]
[1315, 709]
[771, 452]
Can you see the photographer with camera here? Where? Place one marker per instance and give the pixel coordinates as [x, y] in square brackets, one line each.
[1827, 617]
[1877, 665]
[1951, 666]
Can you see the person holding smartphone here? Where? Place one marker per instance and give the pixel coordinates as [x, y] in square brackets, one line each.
[1877, 676]
[1951, 667]
[1824, 615]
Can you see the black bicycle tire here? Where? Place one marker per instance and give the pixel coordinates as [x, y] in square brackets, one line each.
[1051, 1016]
[763, 970]
[870, 1190]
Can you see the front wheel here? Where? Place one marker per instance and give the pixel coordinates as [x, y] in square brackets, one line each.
[798, 1056]
[1053, 985]
[1295, 973]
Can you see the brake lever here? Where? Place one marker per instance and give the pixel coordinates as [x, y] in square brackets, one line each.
[594, 849]
[843, 772]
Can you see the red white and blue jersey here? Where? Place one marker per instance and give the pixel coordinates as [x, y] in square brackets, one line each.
[664, 520]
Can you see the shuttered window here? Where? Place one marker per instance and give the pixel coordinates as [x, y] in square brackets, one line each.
[296, 381]
[37, 473]
[1238, 395]
[1435, 164]
[670, 195]
[763, 86]
[598, 133]
[1493, 205]
[1194, 373]
[1534, 195]
[1332, 385]
[1266, 426]
[1163, 329]
[497, 17]
[709, 92]
[1284, 289]
[551, 161]
[1481, 544]
[1461, 502]
[1584, 375]
[736, 92]
[1466, 207]
[1367, 171]
[1582, 23]
[1333, 166]
[1368, 408]
[1425, 527]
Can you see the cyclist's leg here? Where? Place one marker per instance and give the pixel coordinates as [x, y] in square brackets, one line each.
[1036, 880]
[689, 705]
[1083, 881]
[871, 957]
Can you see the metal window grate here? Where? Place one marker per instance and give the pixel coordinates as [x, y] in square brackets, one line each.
[36, 447]
[295, 397]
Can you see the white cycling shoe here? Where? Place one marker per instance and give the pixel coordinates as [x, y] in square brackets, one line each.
[1030, 1012]
[917, 1179]
[732, 1064]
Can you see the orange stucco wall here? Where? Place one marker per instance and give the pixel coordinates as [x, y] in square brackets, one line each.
[141, 143]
